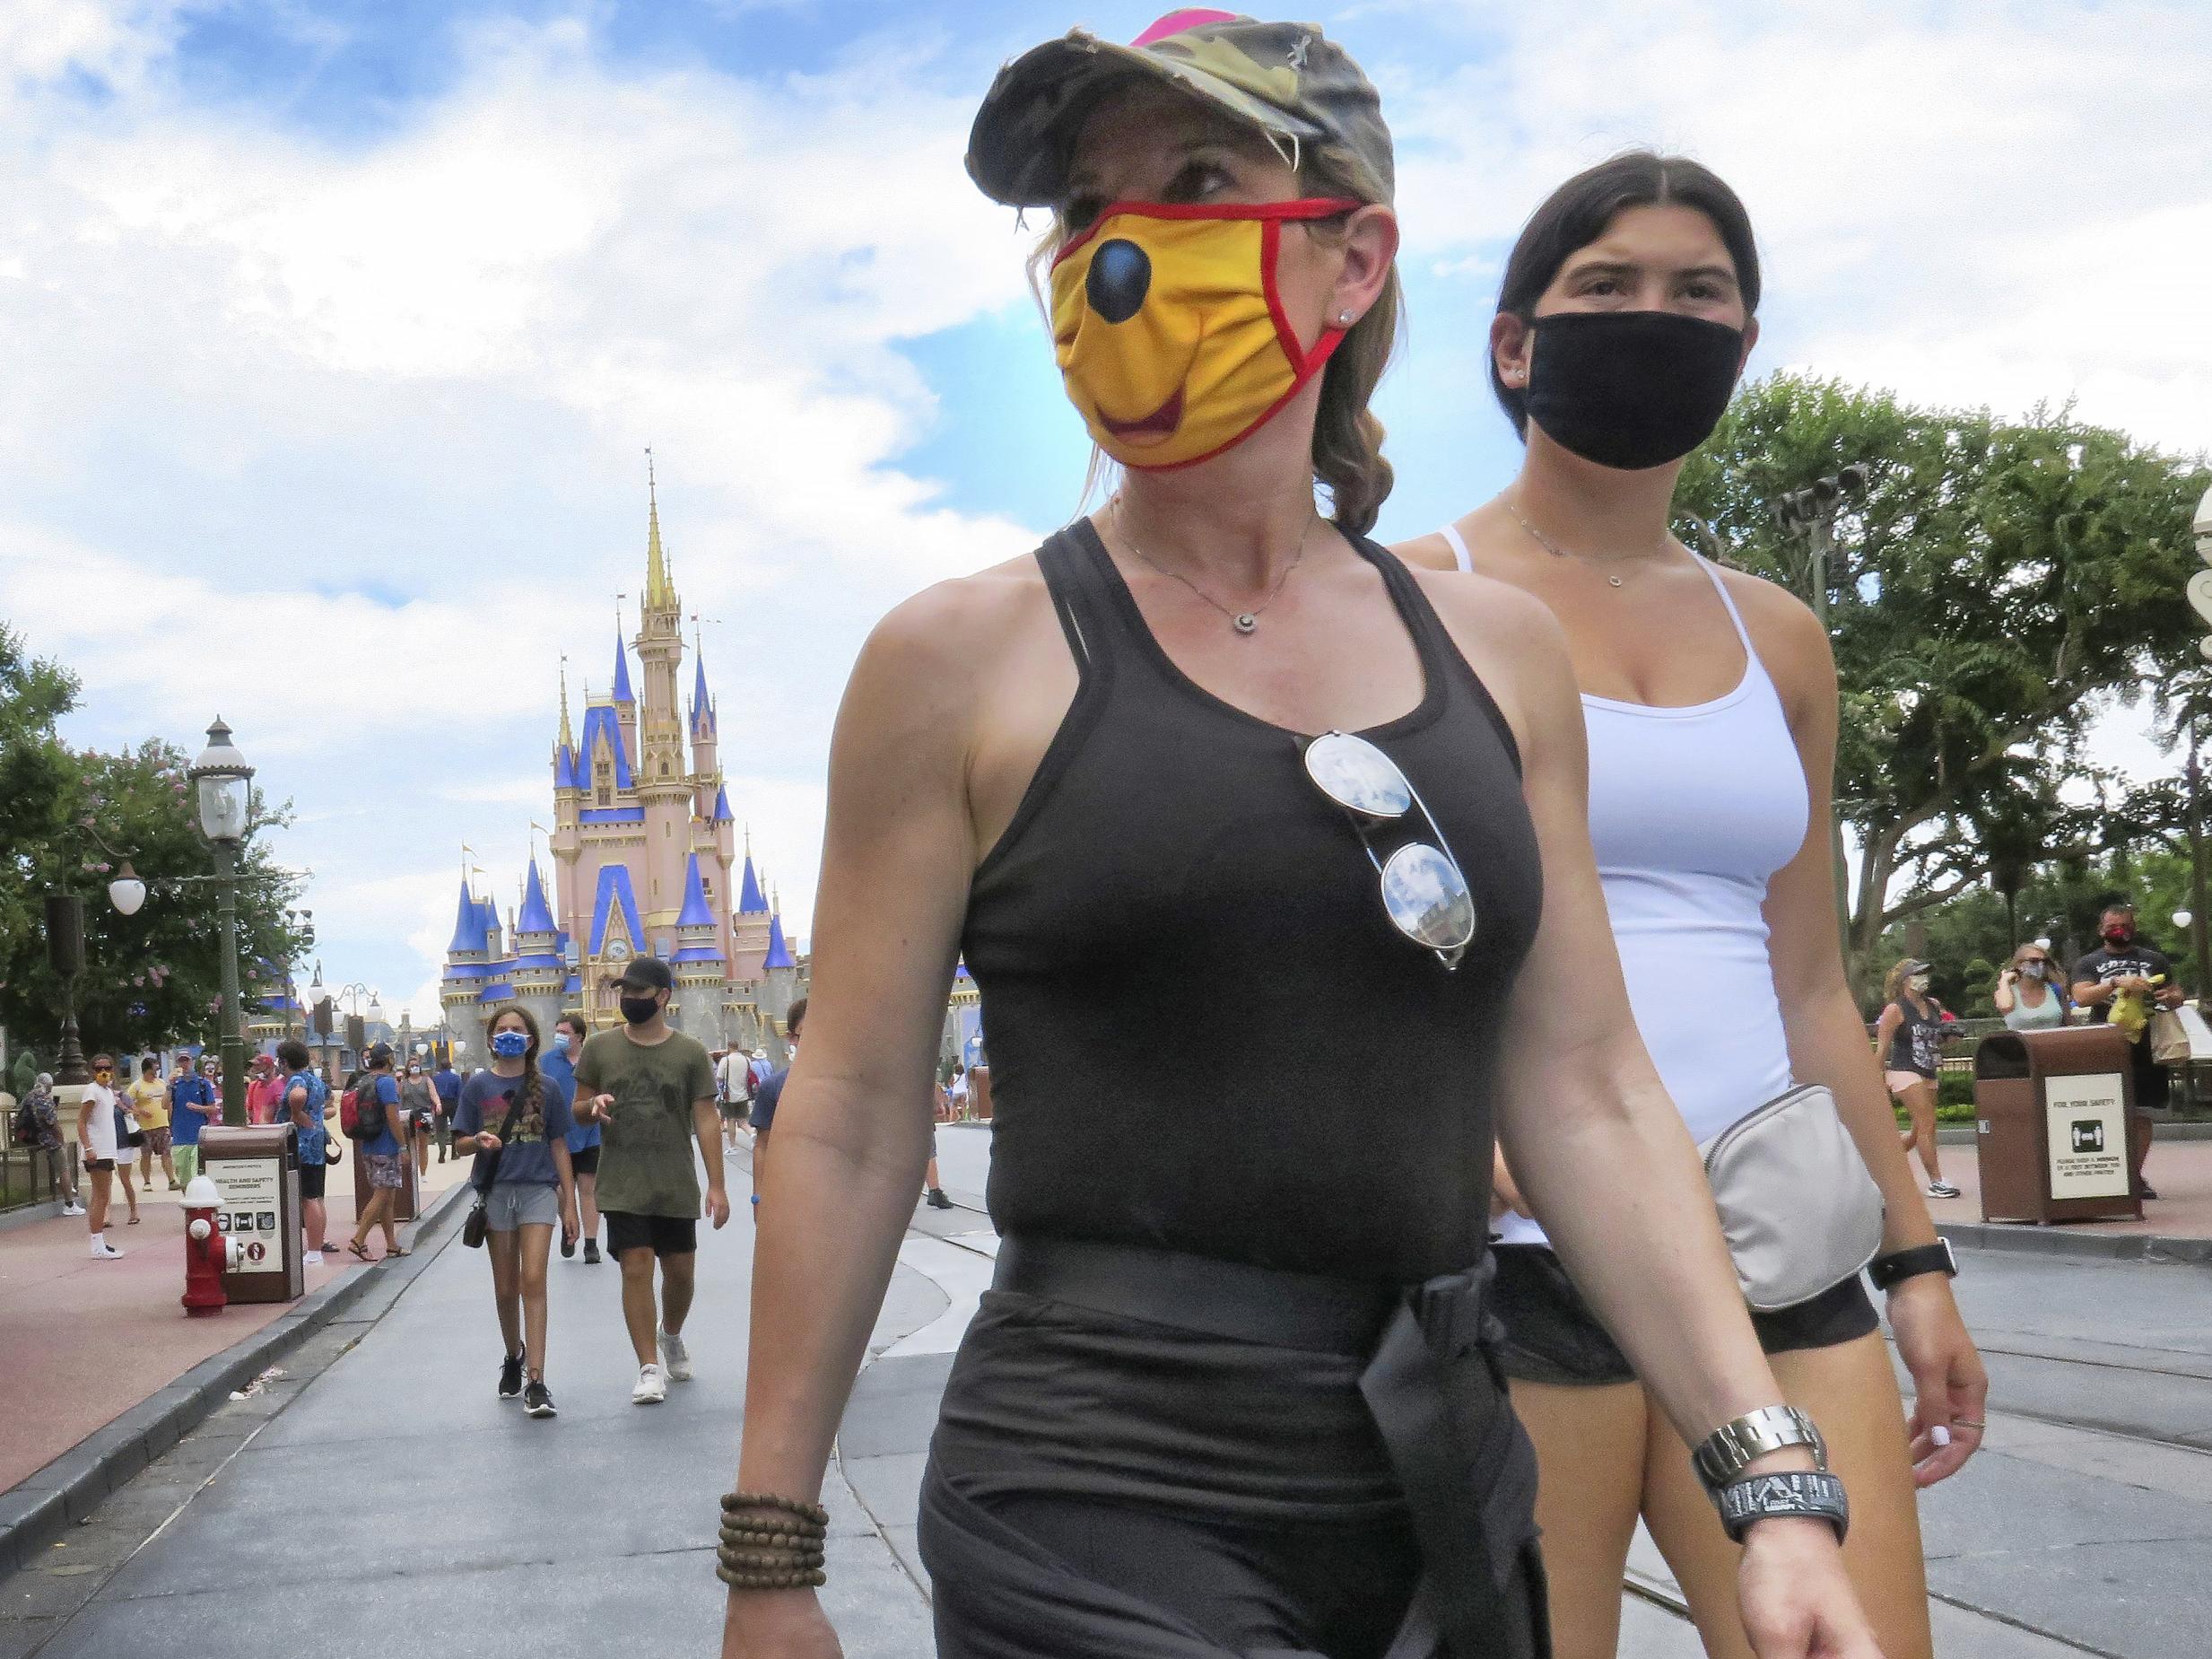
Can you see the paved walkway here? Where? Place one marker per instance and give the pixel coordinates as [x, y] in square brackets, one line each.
[2180, 1170]
[83, 1341]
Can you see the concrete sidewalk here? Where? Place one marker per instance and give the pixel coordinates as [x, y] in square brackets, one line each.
[2176, 1225]
[81, 1341]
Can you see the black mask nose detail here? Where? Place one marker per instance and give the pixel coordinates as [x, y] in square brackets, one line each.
[1120, 276]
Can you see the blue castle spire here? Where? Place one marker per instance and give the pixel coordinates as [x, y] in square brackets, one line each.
[751, 902]
[621, 672]
[468, 924]
[722, 814]
[697, 912]
[702, 705]
[536, 914]
[778, 953]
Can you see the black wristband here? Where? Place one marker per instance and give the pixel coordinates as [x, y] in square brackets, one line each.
[1891, 1270]
[1798, 1493]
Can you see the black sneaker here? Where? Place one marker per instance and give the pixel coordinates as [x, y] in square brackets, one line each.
[510, 1376]
[2146, 1190]
[591, 1252]
[568, 1248]
[938, 1201]
[537, 1400]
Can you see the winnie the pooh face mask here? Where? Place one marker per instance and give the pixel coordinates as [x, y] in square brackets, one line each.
[1170, 331]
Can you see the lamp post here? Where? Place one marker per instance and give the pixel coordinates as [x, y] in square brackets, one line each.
[2201, 912]
[225, 802]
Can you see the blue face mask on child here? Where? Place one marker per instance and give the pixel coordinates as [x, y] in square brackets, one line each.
[511, 1044]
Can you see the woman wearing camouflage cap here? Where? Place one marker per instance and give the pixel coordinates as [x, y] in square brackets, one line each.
[1229, 763]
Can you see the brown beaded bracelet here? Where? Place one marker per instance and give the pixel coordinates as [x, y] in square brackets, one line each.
[761, 1560]
[797, 1507]
[782, 1546]
[773, 1529]
[769, 1581]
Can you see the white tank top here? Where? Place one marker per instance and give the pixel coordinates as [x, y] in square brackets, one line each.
[1692, 810]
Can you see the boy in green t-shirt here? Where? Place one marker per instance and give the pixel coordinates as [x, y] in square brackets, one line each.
[652, 1090]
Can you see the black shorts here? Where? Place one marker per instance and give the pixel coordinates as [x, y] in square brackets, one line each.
[312, 1177]
[664, 1235]
[585, 1163]
[1551, 1335]
[100, 1164]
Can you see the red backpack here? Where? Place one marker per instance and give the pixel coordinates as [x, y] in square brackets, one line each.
[360, 1115]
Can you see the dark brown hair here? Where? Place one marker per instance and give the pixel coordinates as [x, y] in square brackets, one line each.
[797, 1017]
[1576, 214]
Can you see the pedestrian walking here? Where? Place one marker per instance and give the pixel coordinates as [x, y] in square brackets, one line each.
[448, 1083]
[560, 1064]
[515, 1118]
[150, 1113]
[956, 1092]
[769, 1095]
[40, 1116]
[97, 1114]
[2118, 983]
[418, 1107]
[1909, 1036]
[265, 1090]
[651, 1089]
[1193, 1254]
[733, 1093]
[191, 1097]
[1627, 308]
[304, 1098]
[383, 1154]
[2030, 994]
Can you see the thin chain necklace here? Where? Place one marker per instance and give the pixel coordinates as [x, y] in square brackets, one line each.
[1557, 552]
[1243, 621]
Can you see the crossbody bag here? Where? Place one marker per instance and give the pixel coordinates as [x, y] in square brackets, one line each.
[483, 1175]
[1797, 1207]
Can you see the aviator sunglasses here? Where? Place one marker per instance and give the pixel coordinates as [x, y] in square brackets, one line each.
[1425, 892]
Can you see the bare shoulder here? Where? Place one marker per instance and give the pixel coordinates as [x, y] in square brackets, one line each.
[1513, 642]
[1791, 642]
[924, 653]
[1427, 553]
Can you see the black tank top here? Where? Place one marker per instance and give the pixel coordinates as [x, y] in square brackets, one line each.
[1204, 1033]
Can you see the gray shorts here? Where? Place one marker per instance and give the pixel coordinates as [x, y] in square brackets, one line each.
[513, 1204]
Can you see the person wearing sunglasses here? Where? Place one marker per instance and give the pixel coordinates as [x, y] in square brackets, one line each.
[95, 1134]
[1626, 310]
[2030, 994]
[1228, 765]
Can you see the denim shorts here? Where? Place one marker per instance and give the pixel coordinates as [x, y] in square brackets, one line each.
[1552, 1336]
[512, 1204]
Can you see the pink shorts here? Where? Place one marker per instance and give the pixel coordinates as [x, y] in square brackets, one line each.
[1900, 1081]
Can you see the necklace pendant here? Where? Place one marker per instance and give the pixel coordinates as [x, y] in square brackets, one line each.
[1245, 622]
[1615, 580]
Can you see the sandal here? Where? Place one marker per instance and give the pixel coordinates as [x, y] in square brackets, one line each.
[360, 1251]
[132, 1222]
[397, 1251]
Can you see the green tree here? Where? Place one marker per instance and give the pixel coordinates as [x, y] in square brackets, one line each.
[1995, 587]
[152, 979]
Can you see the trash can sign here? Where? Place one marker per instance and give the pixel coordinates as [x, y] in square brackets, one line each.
[2088, 1135]
[251, 1188]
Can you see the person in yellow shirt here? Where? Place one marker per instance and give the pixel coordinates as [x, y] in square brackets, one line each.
[150, 1109]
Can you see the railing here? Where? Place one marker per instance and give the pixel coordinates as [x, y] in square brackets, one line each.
[25, 1176]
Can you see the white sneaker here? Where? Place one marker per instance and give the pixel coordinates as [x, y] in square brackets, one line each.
[102, 1251]
[314, 1258]
[652, 1388]
[675, 1357]
[73, 1208]
[1941, 1189]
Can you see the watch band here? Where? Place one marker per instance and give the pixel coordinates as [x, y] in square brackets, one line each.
[1785, 1492]
[1729, 1449]
[1900, 1265]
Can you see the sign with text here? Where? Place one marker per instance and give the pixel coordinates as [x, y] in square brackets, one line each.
[2086, 1118]
[252, 1190]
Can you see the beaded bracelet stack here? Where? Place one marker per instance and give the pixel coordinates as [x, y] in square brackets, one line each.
[769, 1543]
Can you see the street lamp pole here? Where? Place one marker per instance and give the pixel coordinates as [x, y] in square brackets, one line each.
[2201, 913]
[225, 805]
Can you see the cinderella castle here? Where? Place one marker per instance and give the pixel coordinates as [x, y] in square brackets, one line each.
[646, 862]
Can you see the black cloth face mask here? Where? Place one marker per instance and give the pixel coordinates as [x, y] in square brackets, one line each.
[1631, 389]
[637, 1010]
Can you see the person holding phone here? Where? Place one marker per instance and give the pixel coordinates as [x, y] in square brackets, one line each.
[2030, 994]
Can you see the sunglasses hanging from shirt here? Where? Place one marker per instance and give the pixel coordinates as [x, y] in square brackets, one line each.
[1424, 893]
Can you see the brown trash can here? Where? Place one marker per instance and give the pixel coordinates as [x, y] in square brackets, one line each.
[257, 1172]
[2055, 1126]
[979, 1094]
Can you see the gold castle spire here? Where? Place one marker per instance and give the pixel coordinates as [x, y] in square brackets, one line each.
[658, 591]
[568, 740]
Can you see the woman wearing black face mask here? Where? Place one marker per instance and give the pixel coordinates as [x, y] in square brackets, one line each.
[1627, 310]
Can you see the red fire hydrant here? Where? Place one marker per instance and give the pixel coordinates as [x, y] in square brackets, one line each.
[207, 1252]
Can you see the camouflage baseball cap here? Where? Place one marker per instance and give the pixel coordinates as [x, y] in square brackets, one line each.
[1285, 79]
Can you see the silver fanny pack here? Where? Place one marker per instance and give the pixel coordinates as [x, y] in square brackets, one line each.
[1798, 1207]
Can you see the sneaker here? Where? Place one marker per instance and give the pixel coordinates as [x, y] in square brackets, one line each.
[938, 1201]
[1941, 1189]
[510, 1376]
[591, 1252]
[73, 1208]
[652, 1387]
[102, 1251]
[313, 1258]
[568, 1248]
[537, 1400]
[676, 1357]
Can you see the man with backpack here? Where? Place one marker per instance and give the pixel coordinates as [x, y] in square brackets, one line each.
[370, 1118]
[300, 1101]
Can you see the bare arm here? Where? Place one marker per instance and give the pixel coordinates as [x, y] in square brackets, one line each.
[2003, 995]
[707, 1129]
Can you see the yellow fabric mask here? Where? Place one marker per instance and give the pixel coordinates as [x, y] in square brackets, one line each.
[1169, 330]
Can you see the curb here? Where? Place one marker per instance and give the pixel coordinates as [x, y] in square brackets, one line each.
[2027, 1239]
[48, 1501]
[2162, 1129]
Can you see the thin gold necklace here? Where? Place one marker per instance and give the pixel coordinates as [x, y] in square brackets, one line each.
[1243, 621]
[1557, 552]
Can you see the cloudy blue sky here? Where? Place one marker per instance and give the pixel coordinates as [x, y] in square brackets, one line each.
[336, 331]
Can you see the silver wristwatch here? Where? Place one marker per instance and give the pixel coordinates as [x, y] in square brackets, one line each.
[1731, 1448]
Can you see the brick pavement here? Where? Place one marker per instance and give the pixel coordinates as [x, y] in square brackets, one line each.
[2180, 1170]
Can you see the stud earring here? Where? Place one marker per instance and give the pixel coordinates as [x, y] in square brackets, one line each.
[1344, 320]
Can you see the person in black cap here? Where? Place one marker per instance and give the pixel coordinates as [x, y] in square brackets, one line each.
[651, 1089]
[1232, 1392]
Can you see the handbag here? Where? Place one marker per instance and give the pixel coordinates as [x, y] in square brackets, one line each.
[2168, 1038]
[483, 1175]
[1797, 1207]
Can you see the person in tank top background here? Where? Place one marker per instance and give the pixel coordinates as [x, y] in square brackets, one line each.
[1909, 1037]
[1710, 699]
[2029, 992]
[1202, 620]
